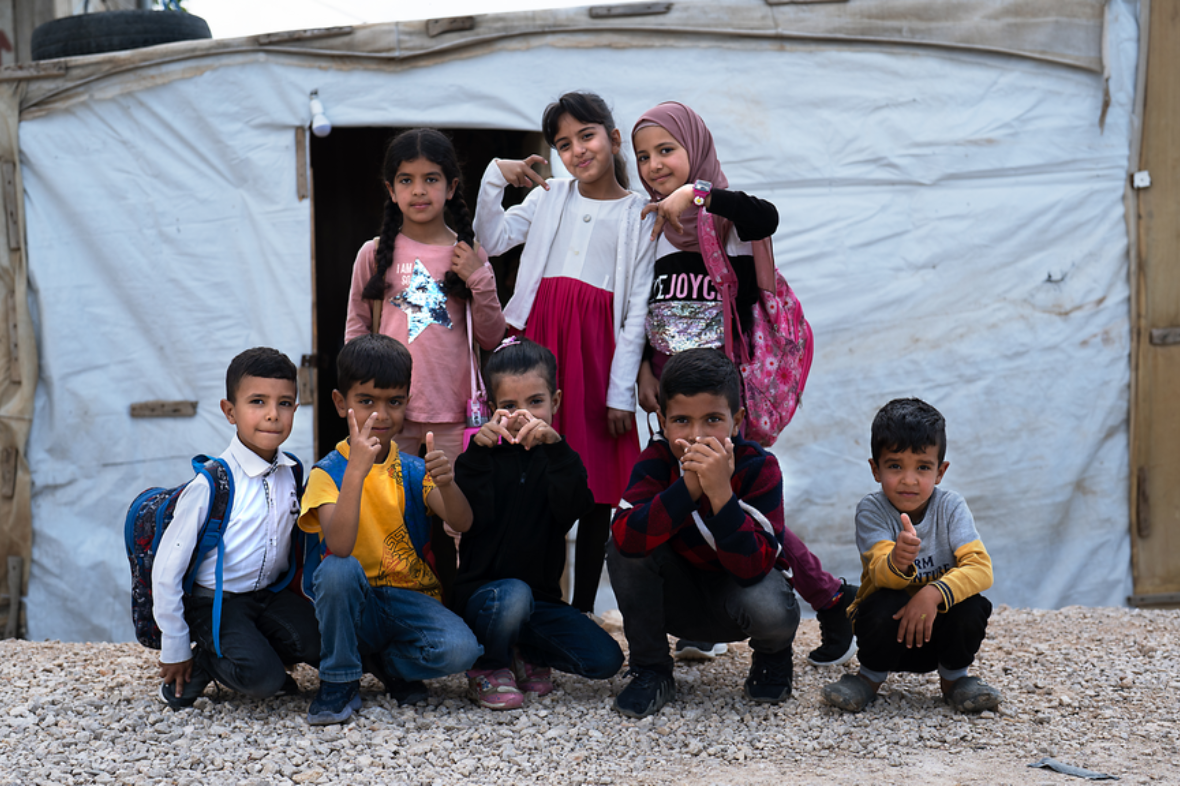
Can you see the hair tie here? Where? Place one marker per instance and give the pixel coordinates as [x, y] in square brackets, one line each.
[508, 342]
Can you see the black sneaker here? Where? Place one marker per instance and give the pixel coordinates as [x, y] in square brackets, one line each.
[193, 689]
[648, 691]
[404, 692]
[407, 692]
[334, 702]
[289, 688]
[770, 677]
[837, 645]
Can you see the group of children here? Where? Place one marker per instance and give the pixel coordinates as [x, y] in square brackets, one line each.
[613, 306]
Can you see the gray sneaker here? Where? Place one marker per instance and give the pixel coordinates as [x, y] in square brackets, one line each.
[971, 694]
[850, 693]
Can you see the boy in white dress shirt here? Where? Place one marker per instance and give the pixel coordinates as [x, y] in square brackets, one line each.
[263, 629]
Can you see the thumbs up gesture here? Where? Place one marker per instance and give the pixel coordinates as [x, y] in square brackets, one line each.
[437, 463]
[905, 549]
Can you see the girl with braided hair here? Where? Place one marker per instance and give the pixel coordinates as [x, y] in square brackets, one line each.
[419, 277]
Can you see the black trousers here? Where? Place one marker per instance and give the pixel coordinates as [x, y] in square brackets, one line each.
[261, 633]
[663, 593]
[954, 641]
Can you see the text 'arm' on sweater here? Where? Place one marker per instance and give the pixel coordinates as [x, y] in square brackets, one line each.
[952, 555]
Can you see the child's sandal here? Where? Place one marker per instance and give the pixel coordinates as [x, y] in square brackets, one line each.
[971, 694]
[851, 693]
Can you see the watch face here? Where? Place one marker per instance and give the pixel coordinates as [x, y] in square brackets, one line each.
[703, 185]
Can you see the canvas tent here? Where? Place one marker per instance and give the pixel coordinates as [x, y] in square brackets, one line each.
[950, 176]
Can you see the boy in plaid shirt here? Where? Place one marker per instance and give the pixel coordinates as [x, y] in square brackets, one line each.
[699, 548]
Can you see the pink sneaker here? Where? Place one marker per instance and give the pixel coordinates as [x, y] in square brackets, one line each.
[530, 678]
[494, 689]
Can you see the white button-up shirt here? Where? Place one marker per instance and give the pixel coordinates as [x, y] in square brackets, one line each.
[257, 540]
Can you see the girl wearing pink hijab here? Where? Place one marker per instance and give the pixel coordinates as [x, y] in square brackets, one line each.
[678, 164]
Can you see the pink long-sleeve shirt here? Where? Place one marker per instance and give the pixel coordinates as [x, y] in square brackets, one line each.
[441, 382]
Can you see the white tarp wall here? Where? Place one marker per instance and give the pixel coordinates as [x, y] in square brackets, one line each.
[953, 223]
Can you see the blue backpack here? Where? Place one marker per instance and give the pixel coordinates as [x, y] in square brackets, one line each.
[151, 513]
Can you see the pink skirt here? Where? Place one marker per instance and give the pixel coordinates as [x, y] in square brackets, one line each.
[574, 320]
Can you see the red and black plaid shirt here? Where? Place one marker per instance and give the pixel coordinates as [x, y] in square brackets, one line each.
[744, 538]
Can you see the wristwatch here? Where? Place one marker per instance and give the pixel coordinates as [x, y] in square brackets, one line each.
[701, 190]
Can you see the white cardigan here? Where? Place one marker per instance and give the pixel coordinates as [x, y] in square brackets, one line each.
[536, 220]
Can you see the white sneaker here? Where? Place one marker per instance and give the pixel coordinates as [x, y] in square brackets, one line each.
[700, 650]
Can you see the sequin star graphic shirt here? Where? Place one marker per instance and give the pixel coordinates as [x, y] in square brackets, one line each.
[433, 326]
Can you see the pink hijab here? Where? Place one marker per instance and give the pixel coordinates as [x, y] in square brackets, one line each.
[687, 128]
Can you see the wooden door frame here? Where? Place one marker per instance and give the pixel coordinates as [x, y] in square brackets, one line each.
[1152, 215]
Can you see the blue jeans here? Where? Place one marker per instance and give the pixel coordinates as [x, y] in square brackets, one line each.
[416, 636]
[663, 593]
[504, 614]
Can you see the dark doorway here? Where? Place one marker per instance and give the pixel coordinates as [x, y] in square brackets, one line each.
[347, 201]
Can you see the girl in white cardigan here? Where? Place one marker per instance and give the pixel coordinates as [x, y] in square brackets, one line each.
[582, 291]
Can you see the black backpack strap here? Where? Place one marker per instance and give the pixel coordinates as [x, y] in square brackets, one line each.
[293, 558]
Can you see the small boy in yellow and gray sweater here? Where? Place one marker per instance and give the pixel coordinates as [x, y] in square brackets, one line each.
[919, 608]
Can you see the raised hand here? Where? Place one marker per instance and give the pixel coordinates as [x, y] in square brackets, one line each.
[494, 430]
[438, 466]
[521, 173]
[905, 549]
[669, 209]
[363, 448]
[465, 261]
[712, 461]
[535, 432]
[692, 480]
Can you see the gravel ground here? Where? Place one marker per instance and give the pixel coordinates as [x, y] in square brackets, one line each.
[1095, 688]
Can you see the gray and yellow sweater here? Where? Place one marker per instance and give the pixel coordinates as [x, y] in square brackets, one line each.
[952, 556]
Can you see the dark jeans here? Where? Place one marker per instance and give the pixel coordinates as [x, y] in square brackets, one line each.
[504, 614]
[955, 639]
[261, 633]
[663, 593]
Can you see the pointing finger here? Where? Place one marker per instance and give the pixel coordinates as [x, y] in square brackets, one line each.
[659, 226]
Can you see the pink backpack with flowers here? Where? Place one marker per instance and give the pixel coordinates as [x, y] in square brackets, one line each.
[776, 358]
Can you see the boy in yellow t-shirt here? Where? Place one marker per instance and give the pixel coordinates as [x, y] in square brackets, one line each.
[377, 595]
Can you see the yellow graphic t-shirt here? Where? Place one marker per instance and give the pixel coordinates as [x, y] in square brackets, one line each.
[383, 546]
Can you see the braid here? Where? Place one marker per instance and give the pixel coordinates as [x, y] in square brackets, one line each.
[461, 215]
[390, 227]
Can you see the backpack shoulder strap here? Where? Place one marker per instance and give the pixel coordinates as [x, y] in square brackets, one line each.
[415, 518]
[375, 306]
[292, 558]
[297, 471]
[212, 532]
[724, 280]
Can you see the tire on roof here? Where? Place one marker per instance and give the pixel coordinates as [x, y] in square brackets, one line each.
[112, 31]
